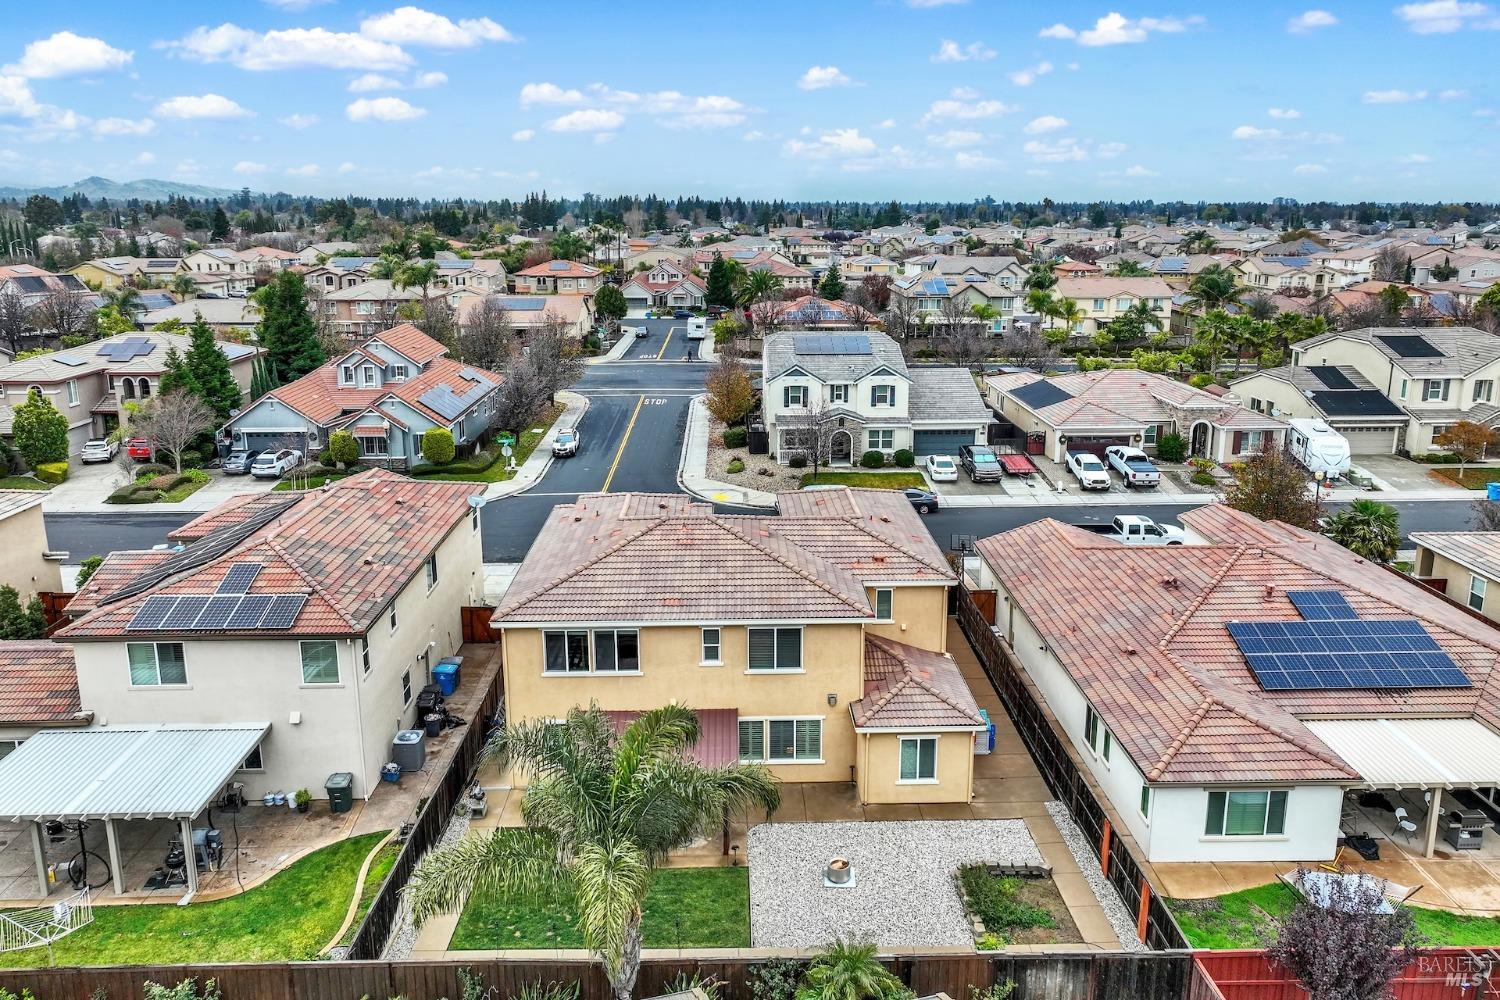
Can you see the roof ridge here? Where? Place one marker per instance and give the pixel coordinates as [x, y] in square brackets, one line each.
[1235, 553]
[1180, 740]
[858, 521]
[798, 570]
[506, 608]
[914, 678]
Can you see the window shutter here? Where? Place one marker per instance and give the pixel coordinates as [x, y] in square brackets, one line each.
[788, 649]
[1446, 384]
[809, 739]
[892, 396]
[752, 741]
[1276, 813]
[1215, 825]
[872, 394]
[1239, 441]
[762, 649]
[786, 396]
[783, 740]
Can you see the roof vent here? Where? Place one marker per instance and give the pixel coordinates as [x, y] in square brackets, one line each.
[1170, 582]
[1270, 592]
[1130, 651]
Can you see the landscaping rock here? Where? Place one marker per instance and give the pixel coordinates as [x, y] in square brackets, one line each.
[398, 947]
[1083, 853]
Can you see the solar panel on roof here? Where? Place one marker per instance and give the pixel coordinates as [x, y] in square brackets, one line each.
[248, 613]
[935, 286]
[283, 611]
[1356, 403]
[239, 578]
[217, 612]
[151, 614]
[849, 345]
[1330, 376]
[1320, 605]
[1411, 347]
[186, 612]
[524, 304]
[561, 265]
[71, 360]
[1040, 393]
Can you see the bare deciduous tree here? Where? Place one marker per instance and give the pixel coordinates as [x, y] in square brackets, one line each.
[13, 320]
[811, 431]
[964, 345]
[1026, 345]
[487, 337]
[901, 319]
[1390, 264]
[173, 421]
[63, 314]
[554, 354]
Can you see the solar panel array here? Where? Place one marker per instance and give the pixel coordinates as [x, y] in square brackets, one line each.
[853, 344]
[1331, 648]
[71, 360]
[1040, 393]
[1411, 347]
[935, 286]
[1331, 377]
[126, 350]
[442, 400]
[239, 578]
[561, 265]
[524, 303]
[235, 613]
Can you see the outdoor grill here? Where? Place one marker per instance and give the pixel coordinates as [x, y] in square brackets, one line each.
[1466, 829]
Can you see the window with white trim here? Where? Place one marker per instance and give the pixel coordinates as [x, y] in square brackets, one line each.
[712, 646]
[794, 395]
[393, 620]
[398, 373]
[1091, 728]
[432, 573]
[320, 661]
[774, 648]
[368, 374]
[1477, 585]
[254, 761]
[617, 651]
[1145, 803]
[838, 394]
[918, 759]
[1246, 814]
[882, 395]
[154, 664]
[7, 747]
[72, 392]
[781, 741]
[373, 446]
[884, 601]
[1484, 390]
[406, 687]
[364, 654]
[880, 440]
[1434, 389]
[346, 376]
[566, 652]
[1149, 437]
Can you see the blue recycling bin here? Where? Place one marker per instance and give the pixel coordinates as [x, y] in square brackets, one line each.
[445, 675]
[1492, 491]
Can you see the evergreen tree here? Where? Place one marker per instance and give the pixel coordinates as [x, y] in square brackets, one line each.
[260, 378]
[175, 375]
[39, 431]
[720, 283]
[287, 330]
[832, 285]
[218, 226]
[208, 369]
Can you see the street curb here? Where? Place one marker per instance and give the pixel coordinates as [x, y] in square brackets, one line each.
[576, 404]
[696, 412]
[614, 353]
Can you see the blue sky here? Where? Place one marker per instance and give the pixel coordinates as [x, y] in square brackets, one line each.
[826, 99]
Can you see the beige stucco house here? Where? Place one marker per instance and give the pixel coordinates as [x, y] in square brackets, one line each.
[25, 561]
[1464, 565]
[813, 642]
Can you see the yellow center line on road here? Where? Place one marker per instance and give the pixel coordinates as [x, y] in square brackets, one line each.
[664, 343]
[623, 442]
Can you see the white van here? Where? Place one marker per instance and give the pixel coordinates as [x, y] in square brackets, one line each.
[1319, 448]
[697, 328]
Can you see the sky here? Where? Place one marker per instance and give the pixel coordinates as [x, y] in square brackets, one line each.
[855, 99]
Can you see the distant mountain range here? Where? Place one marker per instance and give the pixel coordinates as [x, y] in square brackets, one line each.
[145, 189]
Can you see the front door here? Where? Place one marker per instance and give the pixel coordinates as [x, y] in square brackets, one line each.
[841, 448]
[1198, 445]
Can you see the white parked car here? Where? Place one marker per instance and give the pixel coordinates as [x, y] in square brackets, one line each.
[941, 469]
[98, 450]
[1088, 470]
[275, 464]
[566, 443]
[1133, 465]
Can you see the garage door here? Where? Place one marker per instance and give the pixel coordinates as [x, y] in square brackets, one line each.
[941, 442]
[262, 442]
[1096, 445]
[1370, 440]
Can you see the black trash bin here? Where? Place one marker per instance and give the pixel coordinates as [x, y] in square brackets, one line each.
[433, 722]
[340, 788]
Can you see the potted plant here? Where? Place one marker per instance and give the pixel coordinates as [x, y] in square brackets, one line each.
[303, 799]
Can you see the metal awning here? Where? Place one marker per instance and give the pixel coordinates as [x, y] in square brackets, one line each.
[123, 772]
[718, 734]
[1413, 753]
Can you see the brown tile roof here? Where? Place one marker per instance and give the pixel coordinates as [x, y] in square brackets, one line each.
[319, 397]
[573, 270]
[1122, 395]
[349, 546]
[650, 557]
[911, 688]
[38, 684]
[411, 343]
[12, 502]
[117, 569]
[1142, 633]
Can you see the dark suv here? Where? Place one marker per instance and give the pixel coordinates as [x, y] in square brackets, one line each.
[980, 463]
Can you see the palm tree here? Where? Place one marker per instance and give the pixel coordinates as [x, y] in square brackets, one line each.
[1040, 276]
[125, 298]
[387, 267]
[758, 286]
[849, 970]
[184, 285]
[1214, 288]
[1068, 312]
[1367, 528]
[1211, 335]
[986, 314]
[602, 813]
[1127, 268]
[1140, 319]
[1039, 302]
[418, 274]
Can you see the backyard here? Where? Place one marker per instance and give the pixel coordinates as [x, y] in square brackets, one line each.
[291, 916]
[489, 466]
[1247, 919]
[686, 908]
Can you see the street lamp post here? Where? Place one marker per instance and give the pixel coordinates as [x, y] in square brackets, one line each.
[1318, 478]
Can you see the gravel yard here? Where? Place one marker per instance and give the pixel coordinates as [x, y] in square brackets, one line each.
[1078, 845]
[904, 893]
[753, 478]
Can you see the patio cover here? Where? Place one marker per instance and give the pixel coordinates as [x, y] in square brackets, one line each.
[123, 772]
[718, 735]
[1413, 753]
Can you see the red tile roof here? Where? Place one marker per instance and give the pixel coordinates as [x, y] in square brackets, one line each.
[14, 501]
[1119, 396]
[38, 684]
[1141, 630]
[911, 688]
[319, 397]
[350, 546]
[545, 269]
[411, 343]
[117, 569]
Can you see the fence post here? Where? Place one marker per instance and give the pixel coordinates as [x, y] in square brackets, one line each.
[1104, 850]
[1142, 918]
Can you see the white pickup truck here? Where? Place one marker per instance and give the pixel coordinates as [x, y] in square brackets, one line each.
[1133, 466]
[1133, 529]
[1088, 470]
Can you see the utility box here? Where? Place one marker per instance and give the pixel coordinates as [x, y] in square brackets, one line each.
[409, 749]
[340, 789]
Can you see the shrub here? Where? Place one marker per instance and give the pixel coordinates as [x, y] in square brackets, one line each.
[437, 446]
[904, 459]
[996, 900]
[342, 449]
[192, 458]
[735, 437]
[165, 483]
[797, 461]
[1203, 478]
[52, 472]
[925, 353]
[151, 469]
[325, 457]
[134, 494]
[1200, 380]
[591, 344]
[86, 569]
[1172, 448]
[736, 465]
[1201, 464]
[774, 979]
[872, 459]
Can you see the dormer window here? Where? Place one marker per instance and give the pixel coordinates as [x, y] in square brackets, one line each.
[368, 373]
[882, 395]
[347, 375]
[398, 373]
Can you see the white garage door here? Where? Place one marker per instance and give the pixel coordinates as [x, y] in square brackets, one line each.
[1370, 440]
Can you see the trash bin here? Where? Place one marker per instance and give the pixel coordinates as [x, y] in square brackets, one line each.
[433, 723]
[445, 676]
[340, 789]
[391, 772]
[1492, 491]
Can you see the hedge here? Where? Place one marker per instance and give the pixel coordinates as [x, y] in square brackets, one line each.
[905, 459]
[135, 493]
[152, 469]
[52, 472]
[797, 461]
[872, 459]
[735, 437]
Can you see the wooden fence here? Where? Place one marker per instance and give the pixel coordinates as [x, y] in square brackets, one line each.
[1441, 974]
[1073, 976]
[370, 938]
[476, 624]
[1157, 927]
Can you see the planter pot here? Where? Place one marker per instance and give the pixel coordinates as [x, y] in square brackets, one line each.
[838, 872]
[302, 807]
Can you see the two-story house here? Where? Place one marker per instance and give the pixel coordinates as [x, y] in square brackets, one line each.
[387, 392]
[1105, 299]
[820, 653]
[934, 298]
[1437, 375]
[855, 391]
[90, 384]
[668, 284]
[364, 308]
[559, 277]
[1283, 274]
[112, 272]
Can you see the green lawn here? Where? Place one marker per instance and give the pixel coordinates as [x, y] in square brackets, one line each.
[1471, 479]
[873, 480]
[687, 908]
[310, 483]
[1245, 920]
[380, 867]
[199, 480]
[22, 483]
[291, 916]
[496, 471]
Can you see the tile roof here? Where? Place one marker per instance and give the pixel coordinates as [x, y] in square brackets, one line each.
[55, 366]
[349, 546]
[38, 684]
[946, 394]
[117, 569]
[1142, 633]
[574, 269]
[1121, 395]
[319, 397]
[411, 343]
[660, 557]
[780, 353]
[1459, 350]
[1476, 551]
[911, 688]
[13, 502]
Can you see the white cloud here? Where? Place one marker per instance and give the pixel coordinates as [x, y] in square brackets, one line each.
[415, 26]
[523, 135]
[754, 135]
[1268, 137]
[974, 161]
[67, 54]
[1026, 76]
[548, 93]
[294, 48]
[1062, 150]
[956, 139]
[382, 109]
[372, 81]
[965, 93]
[1255, 132]
[1046, 123]
[965, 105]
[299, 121]
[587, 120]
[144, 159]
[604, 138]
[347, 168]
[306, 170]
[1393, 96]
[820, 77]
[951, 52]
[1139, 171]
[1284, 114]
[250, 167]
[1311, 20]
[1414, 158]
[1441, 17]
[1309, 168]
[1109, 150]
[839, 142]
[425, 81]
[202, 106]
[124, 126]
[1115, 28]
[1452, 95]
[16, 98]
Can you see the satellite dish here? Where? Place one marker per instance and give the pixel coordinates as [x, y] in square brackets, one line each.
[476, 501]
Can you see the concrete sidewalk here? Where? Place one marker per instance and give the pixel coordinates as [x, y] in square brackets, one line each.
[85, 494]
[536, 465]
[616, 352]
[692, 468]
